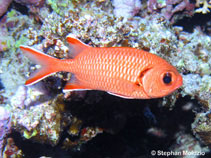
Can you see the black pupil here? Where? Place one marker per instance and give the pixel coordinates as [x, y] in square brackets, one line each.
[167, 78]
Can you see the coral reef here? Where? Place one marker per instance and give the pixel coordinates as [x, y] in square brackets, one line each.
[14, 25]
[86, 134]
[199, 87]
[4, 38]
[11, 150]
[205, 8]
[35, 115]
[41, 113]
[169, 7]
[188, 146]
[171, 10]
[202, 127]
[126, 8]
[4, 4]
[5, 125]
[197, 81]
[30, 2]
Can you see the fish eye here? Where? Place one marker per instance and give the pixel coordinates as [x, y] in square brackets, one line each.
[167, 78]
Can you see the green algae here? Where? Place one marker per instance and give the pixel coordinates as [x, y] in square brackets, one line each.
[29, 135]
[12, 13]
[21, 41]
[61, 6]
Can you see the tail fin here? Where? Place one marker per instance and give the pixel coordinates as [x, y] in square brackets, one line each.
[49, 64]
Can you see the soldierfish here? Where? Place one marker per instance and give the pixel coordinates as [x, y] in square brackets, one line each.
[122, 71]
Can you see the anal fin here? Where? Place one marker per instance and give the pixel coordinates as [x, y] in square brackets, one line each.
[121, 96]
[74, 85]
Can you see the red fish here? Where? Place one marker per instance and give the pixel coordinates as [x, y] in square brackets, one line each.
[121, 71]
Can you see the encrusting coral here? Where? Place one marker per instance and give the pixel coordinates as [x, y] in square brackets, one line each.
[5, 126]
[4, 4]
[169, 7]
[205, 8]
[11, 150]
[36, 115]
[126, 8]
[202, 127]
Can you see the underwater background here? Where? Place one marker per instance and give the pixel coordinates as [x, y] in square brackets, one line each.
[40, 121]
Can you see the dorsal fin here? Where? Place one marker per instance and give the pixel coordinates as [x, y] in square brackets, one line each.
[75, 45]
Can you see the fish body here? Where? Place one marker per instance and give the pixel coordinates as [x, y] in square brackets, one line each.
[121, 71]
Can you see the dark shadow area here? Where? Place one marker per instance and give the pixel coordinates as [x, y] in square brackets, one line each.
[1, 85]
[125, 123]
[199, 19]
[19, 7]
[36, 150]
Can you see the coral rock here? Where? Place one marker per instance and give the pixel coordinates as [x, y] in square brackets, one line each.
[37, 116]
[186, 145]
[202, 127]
[5, 126]
[11, 150]
[126, 8]
[30, 2]
[4, 4]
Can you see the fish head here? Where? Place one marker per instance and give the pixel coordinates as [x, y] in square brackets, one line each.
[161, 80]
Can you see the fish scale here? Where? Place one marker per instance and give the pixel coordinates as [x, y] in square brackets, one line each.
[109, 63]
[121, 71]
[109, 69]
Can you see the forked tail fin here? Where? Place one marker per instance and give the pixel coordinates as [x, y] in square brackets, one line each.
[49, 65]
